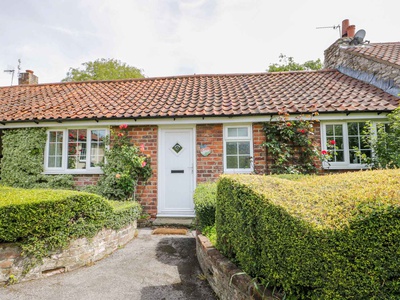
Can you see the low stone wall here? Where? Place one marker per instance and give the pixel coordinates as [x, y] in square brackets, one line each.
[81, 252]
[226, 279]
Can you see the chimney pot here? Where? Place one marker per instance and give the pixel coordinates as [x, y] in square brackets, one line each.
[29, 71]
[351, 30]
[345, 25]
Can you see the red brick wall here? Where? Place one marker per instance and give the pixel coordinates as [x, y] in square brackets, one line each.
[147, 192]
[209, 167]
[260, 157]
[82, 180]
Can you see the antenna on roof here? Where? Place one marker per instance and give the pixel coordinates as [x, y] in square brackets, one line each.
[12, 71]
[334, 27]
[359, 38]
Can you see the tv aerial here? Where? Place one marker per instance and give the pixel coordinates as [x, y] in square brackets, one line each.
[334, 27]
[359, 38]
[12, 71]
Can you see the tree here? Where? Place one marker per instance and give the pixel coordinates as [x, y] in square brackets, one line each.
[288, 64]
[103, 69]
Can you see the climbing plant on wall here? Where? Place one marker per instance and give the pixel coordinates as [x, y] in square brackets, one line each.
[22, 163]
[290, 145]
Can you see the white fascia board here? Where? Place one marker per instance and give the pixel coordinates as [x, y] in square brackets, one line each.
[191, 120]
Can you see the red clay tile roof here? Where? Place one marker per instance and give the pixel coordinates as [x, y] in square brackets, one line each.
[384, 52]
[197, 95]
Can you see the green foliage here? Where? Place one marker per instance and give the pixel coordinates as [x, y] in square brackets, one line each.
[211, 233]
[22, 162]
[42, 220]
[385, 144]
[126, 165]
[290, 145]
[103, 69]
[322, 237]
[204, 203]
[288, 64]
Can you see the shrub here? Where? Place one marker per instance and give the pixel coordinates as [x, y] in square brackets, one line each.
[22, 162]
[290, 145]
[42, 220]
[204, 204]
[326, 237]
[125, 166]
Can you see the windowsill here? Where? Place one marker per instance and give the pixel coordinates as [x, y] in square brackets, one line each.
[238, 171]
[345, 167]
[73, 172]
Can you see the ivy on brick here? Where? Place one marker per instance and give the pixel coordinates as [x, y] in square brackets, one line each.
[22, 163]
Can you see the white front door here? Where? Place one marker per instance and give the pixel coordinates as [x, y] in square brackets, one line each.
[176, 172]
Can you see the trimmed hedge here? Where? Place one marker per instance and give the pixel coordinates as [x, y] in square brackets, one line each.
[43, 220]
[325, 237]
[204, 204]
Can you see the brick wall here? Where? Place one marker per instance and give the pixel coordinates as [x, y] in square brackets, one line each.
[82, 180]
[260, 157]
[147, 192]
[211, 166]
[79, 253]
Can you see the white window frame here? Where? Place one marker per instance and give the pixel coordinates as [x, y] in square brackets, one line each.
[64, 165]
[346, 164]
[249, 139]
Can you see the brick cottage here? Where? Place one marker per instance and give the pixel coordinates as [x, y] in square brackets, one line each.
[198, 127]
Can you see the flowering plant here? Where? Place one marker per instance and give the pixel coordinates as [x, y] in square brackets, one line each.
[290, 144]
[125, 166]
[327, 155]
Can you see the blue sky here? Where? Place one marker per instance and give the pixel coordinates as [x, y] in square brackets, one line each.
[171, 37]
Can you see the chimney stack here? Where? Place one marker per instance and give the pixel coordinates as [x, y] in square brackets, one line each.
[28, 78]
[348, 30]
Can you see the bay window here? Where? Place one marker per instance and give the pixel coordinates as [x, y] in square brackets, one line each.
[75, 150]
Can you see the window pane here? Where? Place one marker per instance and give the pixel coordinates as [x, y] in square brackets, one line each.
[244, 162]
[329, 130]
[97, 147]
[339, 156]
[354, 143]
[242, 132]
[231, 162]
[244, 148]
[352, 128]
[339, 130]
[231, 148]
[54, 158]
[232, 132]
[77, 145]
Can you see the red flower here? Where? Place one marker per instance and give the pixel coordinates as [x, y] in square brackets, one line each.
[141, 147]
[123, 126]
[332, 142]
[120, 134]
[288, 124]
[71, 135]
[324, 152]
[144, 164]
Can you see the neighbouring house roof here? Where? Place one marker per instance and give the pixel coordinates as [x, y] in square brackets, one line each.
[383, 52]
[191, 96]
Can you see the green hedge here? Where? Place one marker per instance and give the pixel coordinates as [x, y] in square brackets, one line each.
[204, 204]
[42, 220]
[325, 237]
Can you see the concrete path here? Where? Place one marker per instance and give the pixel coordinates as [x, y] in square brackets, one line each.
[151, 267]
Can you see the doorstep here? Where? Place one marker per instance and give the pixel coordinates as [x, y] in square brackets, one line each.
[185, 221]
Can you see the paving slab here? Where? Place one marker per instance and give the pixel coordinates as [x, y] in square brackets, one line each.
[150, 267]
